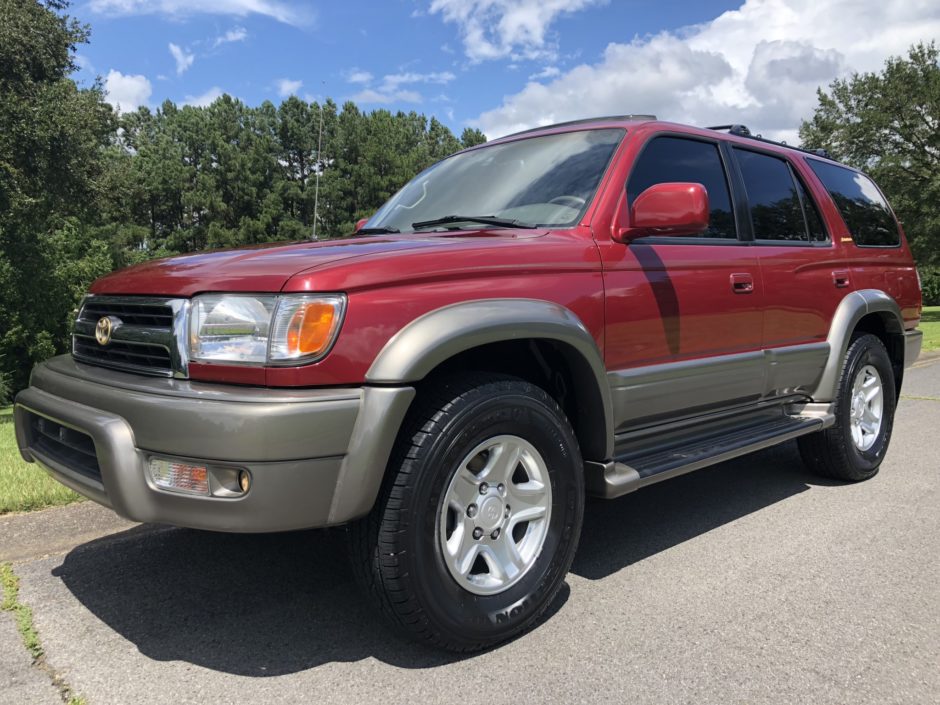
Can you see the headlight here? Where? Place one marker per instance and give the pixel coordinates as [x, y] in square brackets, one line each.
[251, 329]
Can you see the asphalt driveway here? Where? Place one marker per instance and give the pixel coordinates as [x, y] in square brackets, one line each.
[750, 582]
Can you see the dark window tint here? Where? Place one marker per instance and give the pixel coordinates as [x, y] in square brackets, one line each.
[817, 231]
[668, 159]
[863, 208]
[777, 200]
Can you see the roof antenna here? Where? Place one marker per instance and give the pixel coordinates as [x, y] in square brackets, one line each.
[316, 190]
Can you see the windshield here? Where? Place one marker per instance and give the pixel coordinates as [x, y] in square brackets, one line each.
[539, 181]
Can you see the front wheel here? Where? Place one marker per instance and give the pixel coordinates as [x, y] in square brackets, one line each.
[854, 447]
[479, 516]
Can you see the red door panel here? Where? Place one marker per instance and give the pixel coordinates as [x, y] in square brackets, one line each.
[670, 302]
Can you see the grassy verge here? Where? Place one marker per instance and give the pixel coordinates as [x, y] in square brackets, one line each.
[930, 324]
[24, 486]
[23, 615]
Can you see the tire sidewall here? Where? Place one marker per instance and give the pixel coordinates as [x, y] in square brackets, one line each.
[868, 350]
[455, 610]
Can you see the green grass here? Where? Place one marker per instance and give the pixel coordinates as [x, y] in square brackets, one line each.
[24, 486]
[930, 325]
[23, 614]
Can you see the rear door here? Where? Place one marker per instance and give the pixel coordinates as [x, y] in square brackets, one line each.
[805, 275]
[683, 314]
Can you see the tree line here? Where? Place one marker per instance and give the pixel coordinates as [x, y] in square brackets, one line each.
[84, 189]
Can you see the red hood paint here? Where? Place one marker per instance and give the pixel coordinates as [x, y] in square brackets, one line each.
[263, 268]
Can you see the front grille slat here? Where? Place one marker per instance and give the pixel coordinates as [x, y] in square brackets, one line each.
[137, 353]
[145, 315]
[73, 449]
[143, 337]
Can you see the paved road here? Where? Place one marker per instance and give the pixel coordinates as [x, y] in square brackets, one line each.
[750, 582]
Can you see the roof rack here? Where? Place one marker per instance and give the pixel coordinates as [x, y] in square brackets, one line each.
[743, 131]
[582, 121]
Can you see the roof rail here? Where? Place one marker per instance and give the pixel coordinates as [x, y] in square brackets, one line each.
[582, 121]
[742, 131]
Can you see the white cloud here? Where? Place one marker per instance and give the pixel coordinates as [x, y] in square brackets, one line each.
[286, 87]
[358, 76]
[183, 58]
[294, 13]
[236, 34]
[126, 93]
[394, 80]
[390, 88]
[369, 95]
[493, 29]
[547, 72]
[207, 98]
[84, 63]
[758, 65]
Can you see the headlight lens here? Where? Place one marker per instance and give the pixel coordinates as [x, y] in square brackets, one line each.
[235, 328]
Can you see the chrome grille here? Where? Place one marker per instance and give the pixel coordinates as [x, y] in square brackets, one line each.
[158, 316]
[148, 334]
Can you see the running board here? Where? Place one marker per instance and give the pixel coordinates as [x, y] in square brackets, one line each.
[651, 458]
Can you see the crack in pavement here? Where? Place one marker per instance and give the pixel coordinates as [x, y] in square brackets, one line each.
[25, 627]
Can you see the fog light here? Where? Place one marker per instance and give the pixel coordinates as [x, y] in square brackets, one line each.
[179, 477]
[244, 480]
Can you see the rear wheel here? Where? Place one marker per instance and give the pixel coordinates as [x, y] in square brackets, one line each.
[479, 516]
[855, 446]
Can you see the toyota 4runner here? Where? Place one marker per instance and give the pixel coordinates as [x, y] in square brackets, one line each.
[586, 308]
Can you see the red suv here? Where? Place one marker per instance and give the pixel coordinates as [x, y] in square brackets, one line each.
[590, 307]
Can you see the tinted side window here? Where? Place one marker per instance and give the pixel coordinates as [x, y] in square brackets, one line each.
[778, 200]
[817, 231]
[775, 205]
[668, 159]
[863, 208]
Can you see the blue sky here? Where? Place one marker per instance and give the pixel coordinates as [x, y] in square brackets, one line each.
[501, 64]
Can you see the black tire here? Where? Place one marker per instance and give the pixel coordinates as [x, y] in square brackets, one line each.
[396, 550]
[833, 453]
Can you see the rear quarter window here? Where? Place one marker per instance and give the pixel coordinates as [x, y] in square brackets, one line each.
[863, 208]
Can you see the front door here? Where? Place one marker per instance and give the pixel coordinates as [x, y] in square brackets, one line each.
[683, 314]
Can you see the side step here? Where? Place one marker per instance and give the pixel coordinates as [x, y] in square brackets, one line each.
[653, 457]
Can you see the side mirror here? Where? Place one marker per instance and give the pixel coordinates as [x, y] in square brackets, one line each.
[675, 208]
[359, 224]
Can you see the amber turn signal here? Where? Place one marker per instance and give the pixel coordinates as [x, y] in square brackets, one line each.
[305, 325]
[310, 328]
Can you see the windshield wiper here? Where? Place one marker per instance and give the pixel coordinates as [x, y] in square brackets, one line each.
[483, 219]
[377, 231]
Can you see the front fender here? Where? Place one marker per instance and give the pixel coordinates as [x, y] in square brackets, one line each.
[437, 336]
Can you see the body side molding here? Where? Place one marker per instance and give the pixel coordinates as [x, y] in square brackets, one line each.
[437, 336]
[851, 310]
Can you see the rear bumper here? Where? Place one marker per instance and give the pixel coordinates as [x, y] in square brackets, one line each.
[316, 457]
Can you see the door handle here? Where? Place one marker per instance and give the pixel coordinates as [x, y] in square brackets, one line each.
[742, 283]
[840, 278]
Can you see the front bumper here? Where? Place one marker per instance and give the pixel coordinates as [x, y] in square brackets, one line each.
[316, 456]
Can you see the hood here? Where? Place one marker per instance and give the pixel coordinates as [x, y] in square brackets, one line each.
[264, 268]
